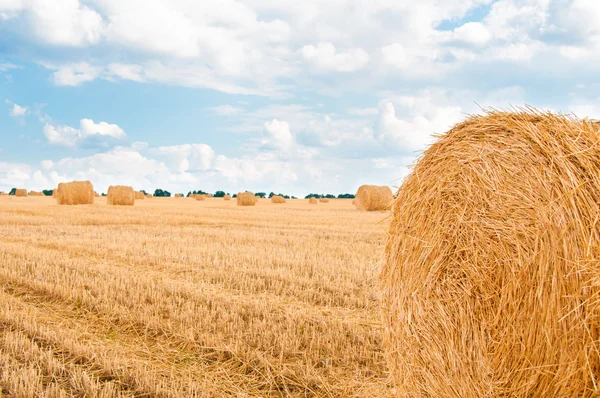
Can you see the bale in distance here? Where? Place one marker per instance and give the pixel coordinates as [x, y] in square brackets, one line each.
[200, 197]
[21, 192]
[226, 197]
[120, 195]
[277, 199]
[35, 193]
[490, 279]
[246, 199]
[177, 195]
[148, 195]
[96, 195]
[313, 201]
[373, 198]
[74, 193]
[139, 195]
[324, 200]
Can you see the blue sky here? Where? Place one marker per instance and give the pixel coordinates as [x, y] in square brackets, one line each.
[294, 97]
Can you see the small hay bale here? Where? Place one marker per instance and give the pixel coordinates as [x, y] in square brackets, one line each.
[177, 195]
[74, 193]
[21, 192]
[200, 197]
[120, 195]
[226, 197]
[490, 279]
[277, 199]
[35, 193]
[148, 195]
[313, 201]
[139, 195]
[246, 199]
[96, 195]
[373, 197]
[209, 195]
[324, 200]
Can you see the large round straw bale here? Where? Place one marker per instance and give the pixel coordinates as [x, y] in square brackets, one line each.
[373, 197]
[313, 201]
[226, 197]
[21, 192]
[139, 195]
[277, 199]
[324, 200]
[246, 199]
[120, 195]
[491, 275]
[74, 193]
[200, 197]
[35, 193]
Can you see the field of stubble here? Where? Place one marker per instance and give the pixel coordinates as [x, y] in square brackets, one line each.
[180, 298]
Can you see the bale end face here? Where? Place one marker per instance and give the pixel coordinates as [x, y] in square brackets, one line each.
[373, 198]
[120, 195]
[21, 192]
[277, 199]
[246, 199]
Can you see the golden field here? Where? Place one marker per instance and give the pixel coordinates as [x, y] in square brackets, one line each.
[186, 298]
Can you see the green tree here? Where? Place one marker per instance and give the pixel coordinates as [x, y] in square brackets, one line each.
[48, 192]
[13, 191]
[162, 193]
[346, 196]
[261, 195]
[219, 194]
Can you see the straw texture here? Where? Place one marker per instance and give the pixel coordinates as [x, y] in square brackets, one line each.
[246, 199]
[277, 199]
[21, 192]
[74, 193]
[139, 195]
[35, 193]
[313, 201]
[373, 198]
[120, 195]
[491, 275]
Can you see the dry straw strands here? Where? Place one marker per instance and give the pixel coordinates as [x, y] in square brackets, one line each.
[120, 195]
[226, 197]
[313, 201]
[277, 199]
[35, 193]
[74, 193]
[490, 280]
[21, 192]
[246, 199]
[373, 198]
[324, 200]
[139, 195]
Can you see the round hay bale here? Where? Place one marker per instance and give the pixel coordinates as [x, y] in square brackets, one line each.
[324, 200]
[96, 195]
[139, 195]
[178, 195]
[74, 193]
[35, 193]
[120, 195]
[246, 199]
[491, 278]
[21, 192]
[226, 197]
[200, 197]
[209, 195]
[277, 199]
[373, 197]
[313, 201]
[148, 196]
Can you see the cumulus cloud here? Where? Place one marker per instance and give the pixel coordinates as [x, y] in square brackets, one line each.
[279, 135]
[17, 110]
[473, 33]
[324, 56]
[74, 74]
[88, 131]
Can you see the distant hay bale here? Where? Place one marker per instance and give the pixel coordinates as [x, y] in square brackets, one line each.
[246, 199]
[226, 197]
[209, 195]
[177, 195]
[490, 278]
[96, 194]
[373, 197]
[324, 200]
[148, 196]
[200, 197]
[35, 193]
[74, 193]
[120, 195]
[139, 195]
[313, 201]
[21, 192]
[277, 199]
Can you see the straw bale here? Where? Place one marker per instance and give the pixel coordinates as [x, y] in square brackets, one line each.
[491, 277]
[226, 197]
[21, 192]
[120, 195]
[277, 199]
[177, 195]
[74, 193]
[373, 197]
[96, 195]
[139, 195]
[324, 200]
[148, 195]
[35, 193]
[200, 197]
[246, 199]
[313, 201]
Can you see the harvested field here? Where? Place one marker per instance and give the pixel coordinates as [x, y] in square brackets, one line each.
[171, 299]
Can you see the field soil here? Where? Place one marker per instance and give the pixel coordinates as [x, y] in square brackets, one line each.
[175, 297]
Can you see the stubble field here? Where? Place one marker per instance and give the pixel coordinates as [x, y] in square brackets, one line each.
[180, 298]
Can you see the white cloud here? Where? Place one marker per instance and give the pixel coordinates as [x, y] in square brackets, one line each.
[324, 56]
[279, 135]
[226, 110]
[74, 74]
[473, 32]
[18, 110]
[187, 157]
[87, 132]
